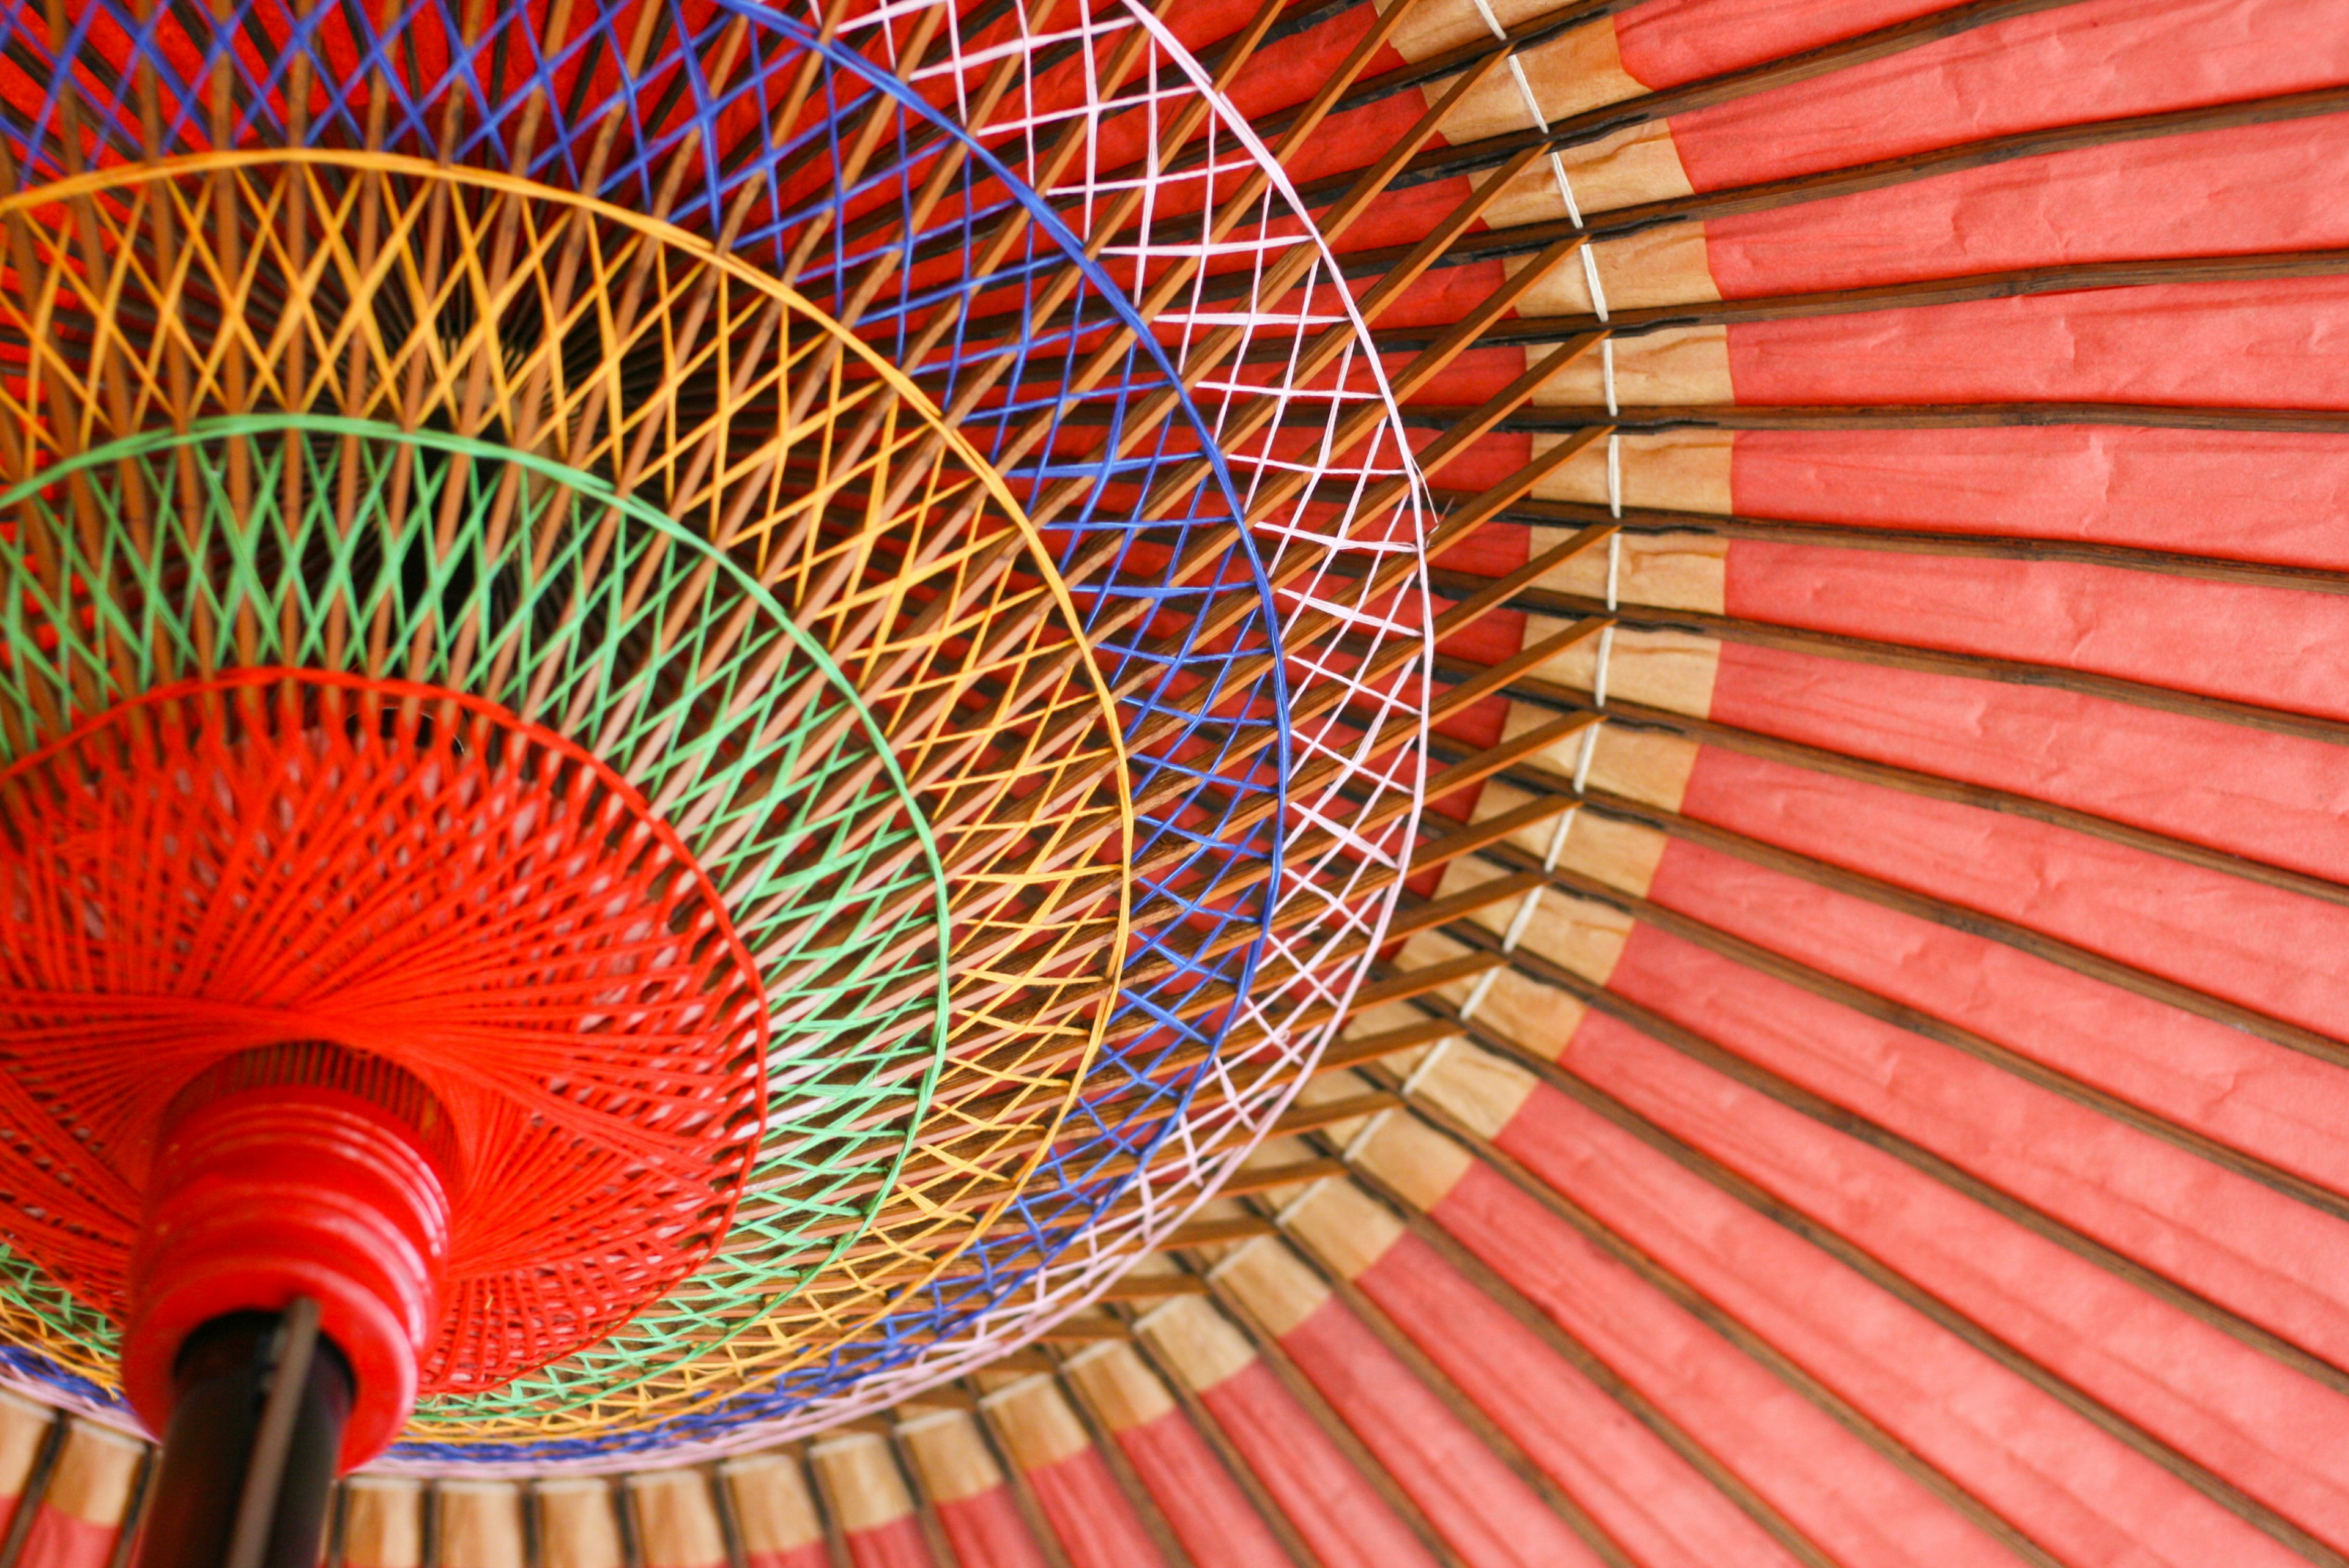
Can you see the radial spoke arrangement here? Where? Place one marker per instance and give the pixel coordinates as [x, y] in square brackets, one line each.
[856, 307]
[1627, 712]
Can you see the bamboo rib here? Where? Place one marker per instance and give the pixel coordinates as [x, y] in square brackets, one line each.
[1969, 667]
[1522, 240]
[1930, 786]
[1465, 1410]
[2020, 1211]
[2076, 277]
[1949, 1318]
[1129, 1482]
[1634, 521]
[1770, 195]
[2006, 933]
[1885, 1009]
[1632, 419]
[1333, 1426]
[1609, 1381]
[1234, 1464]
[1975, 1511]
[1643, 109]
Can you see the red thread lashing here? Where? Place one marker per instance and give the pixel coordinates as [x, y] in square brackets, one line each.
[410, 874]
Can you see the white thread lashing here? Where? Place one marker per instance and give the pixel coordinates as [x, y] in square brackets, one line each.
[1515, 933]
[1607, 374]
[1288, 1210]
[1368, 1130]
[1614, 566]
[1435, 1055]
[1589, 749]
[1556, 163]
[1565, 189]
[1142, 1320]
[1557, 835]
[1590, 276]
[1526, 90]
[1475, 998]
[1614, 483]
[1008, 1391]
[1599, 682]
[923, 1423]
[1231, 1259]
[1087, 1354]
[1522, 919]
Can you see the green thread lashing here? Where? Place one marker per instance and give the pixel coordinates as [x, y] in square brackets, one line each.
[764, 758]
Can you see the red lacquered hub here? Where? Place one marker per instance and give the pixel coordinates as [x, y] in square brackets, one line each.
[303, 1170]
[370, 994]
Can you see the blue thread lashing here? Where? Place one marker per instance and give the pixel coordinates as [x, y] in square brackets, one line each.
[1192, 956]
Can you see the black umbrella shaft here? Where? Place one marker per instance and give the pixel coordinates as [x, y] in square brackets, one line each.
[249, 1456]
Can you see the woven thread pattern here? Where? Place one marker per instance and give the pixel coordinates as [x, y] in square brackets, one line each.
[1005, 223]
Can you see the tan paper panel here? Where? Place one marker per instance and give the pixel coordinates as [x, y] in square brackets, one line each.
[1466, 876]
[1670, 669]
[577, 1527]
[1339, 1083]
[1200, 1344]
[1283, 1149]
[1674, 367]
[1418, 1163]
[950, 1456]
[1579, 70]
[1469, 873]
[1476, 1088]
[24, 1426]
[1384, 1017]
[1122, 1389]
[1558, 760]
[1560, 755]
[94, 1475]
[1542, 1018]
[1271, 1155]
[772, 1504]
[1276, 1284]
[1663, 265]
[1345, 1226]
[1038, 1423]
[1672, 471]
[861, 1477]
[1216, 1210]
[1403, 1062]
[677, 1520]
[383, 1522]
[1498, 798]
[1575, 933]
[1631, 167]
[481, 1524]
[1436, 26]
[1643, 765]
[1621, 855]
[1426, 948]
[1672, 571]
